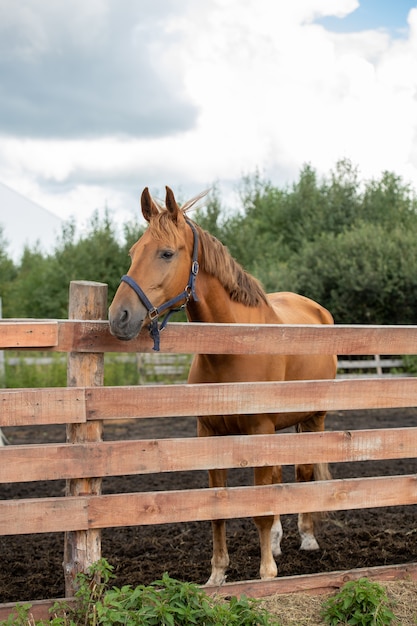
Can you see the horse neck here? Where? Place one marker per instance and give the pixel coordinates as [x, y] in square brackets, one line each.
[212, 304]
[215, 305]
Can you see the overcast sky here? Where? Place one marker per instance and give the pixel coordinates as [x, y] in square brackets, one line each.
[99, 98]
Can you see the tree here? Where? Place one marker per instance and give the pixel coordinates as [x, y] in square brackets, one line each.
[42, 282]
[347, 243]
[367, 275]
[7, 275]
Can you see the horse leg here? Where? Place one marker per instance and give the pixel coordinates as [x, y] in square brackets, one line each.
[276, 530]
[220, 558]
[306, 473]
[268, 567]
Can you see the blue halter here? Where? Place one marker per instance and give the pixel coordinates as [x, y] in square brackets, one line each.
[155, 312]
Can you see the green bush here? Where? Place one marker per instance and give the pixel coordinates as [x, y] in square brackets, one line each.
[166, 602]
[359, 602]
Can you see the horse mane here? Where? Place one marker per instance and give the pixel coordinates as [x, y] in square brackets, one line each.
[239, 284]
[215, 258]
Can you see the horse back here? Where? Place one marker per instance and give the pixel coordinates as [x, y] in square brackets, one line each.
[291, 308]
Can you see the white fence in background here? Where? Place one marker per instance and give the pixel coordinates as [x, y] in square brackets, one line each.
[160, 367]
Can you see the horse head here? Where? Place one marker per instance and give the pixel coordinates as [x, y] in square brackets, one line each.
[158, 279]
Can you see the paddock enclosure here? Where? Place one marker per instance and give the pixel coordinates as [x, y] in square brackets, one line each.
[86, 409]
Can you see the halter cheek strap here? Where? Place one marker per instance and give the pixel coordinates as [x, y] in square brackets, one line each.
[155, 312]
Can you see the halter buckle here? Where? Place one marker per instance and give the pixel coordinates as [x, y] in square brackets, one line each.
[153, 314]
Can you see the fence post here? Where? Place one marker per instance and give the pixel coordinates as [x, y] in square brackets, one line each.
[2, 365]
[87, 301]
[2, 375]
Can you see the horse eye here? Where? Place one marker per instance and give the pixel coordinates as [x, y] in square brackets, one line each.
[166, 254]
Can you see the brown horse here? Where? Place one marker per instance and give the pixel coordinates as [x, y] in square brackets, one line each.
[169, 255]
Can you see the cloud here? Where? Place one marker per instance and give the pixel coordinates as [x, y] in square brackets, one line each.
[101, 98]
[88, 69]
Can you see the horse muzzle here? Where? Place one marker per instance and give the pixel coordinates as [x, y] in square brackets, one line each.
[124, 325]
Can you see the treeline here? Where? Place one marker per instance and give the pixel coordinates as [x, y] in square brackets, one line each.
[349, 244]
[38, 285]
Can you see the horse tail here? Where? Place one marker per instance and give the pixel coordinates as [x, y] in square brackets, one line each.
[322, 471]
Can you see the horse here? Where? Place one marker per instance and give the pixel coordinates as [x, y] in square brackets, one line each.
[175, 251]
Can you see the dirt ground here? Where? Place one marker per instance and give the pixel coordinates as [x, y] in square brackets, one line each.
[31, 565]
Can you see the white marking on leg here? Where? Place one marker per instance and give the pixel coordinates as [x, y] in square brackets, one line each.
[306, 530]
[276, 537]
[308, 542]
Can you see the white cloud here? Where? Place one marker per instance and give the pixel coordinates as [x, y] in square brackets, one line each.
[86, 69]
[187, 93]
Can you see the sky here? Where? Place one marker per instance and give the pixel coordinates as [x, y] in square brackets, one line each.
[99, 99]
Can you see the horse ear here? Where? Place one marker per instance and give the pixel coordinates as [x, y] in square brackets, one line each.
[171, 204]
[149, 207]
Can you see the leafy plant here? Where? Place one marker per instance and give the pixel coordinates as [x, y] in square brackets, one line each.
[410, 363]
[360, 602]
[166, 602]
[20, 616]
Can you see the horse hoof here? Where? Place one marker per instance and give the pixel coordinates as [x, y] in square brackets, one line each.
[216, 580]
[269, 573]
[309, 543]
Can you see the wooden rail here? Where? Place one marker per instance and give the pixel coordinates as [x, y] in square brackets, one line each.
[85, 457]
[82, 513]
[68, 405]
[94, 336]
[119, 458]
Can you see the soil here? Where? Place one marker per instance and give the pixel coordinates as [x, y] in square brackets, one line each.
[31, 565]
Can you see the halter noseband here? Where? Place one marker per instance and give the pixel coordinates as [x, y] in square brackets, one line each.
[155, 312]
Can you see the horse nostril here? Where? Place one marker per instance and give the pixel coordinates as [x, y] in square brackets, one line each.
[124, 317]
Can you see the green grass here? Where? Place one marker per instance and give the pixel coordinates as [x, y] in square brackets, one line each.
[30, 369]
[24, 369]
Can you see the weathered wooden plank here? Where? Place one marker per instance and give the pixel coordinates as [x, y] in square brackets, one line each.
[247, 398]
[28, 333]
[43, 515]
[119, 458]
[94, 336]
[162, 507]
[66, 405]
[55, 405]
[324, 582]
[245, 338]
[206, 504]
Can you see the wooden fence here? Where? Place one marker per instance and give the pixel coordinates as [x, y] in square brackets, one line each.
[85, 406]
